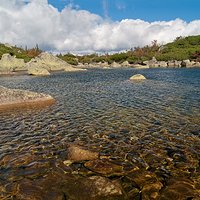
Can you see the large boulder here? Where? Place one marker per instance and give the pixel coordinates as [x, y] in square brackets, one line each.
[37, 71]
[138, 77]
[151, 63]
[104, 65]
[10, 63]
[51, 63]
[18, 97]
[162, 64]
[186, 63]
[126, 64]
[115, 65]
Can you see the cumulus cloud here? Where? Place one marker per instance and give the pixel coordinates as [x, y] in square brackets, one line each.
[36, 22]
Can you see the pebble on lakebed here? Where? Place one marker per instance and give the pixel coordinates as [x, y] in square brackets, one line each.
[16, 97]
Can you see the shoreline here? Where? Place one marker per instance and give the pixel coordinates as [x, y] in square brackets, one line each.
[36, 103]
[25, 73]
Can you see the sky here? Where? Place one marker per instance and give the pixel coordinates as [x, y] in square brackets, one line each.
[148, 10]
[87, 26]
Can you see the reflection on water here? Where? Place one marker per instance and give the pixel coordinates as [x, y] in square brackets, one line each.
[154, 124]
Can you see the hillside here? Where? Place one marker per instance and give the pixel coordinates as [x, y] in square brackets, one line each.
[19, 52]
[180, 49]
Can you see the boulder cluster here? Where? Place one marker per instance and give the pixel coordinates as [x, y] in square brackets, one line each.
[153, 63]
[46, 63]
[42, 65]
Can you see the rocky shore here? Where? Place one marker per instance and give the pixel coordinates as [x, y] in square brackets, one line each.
[42, 65]
[16, 97]
[153, 63]
[46, 63]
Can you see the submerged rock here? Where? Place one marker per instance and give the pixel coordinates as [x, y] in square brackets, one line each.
[20, 97]
[179, 188]
[77, 153]
[94, 187]
[104, 167]
[138, 77]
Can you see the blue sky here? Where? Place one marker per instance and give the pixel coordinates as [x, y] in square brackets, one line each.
[148, 10]
[96, 25]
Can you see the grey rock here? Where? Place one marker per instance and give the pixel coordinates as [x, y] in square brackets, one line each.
[10, 63]
[125, 64]
[186, 63]
[37, 71]
[138, 66]
[51, 63]
[115, 65]
[21, 97]
[138, 77]
[162, 64]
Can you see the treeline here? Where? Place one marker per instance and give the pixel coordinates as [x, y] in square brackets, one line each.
[182, 48]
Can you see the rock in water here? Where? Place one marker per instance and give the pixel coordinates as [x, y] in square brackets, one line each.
[138, 77]
[77, 153]
[37, 71]
[92, 188]
[18, 97]
[104, 167]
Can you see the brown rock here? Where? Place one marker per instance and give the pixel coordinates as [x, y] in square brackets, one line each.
[92, 188]
[178, 188]
[104, 167]
[77, 153]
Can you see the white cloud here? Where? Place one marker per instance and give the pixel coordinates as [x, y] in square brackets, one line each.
[75, 30]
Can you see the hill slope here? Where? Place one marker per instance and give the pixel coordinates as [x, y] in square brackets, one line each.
[180, 49]
[19, 52]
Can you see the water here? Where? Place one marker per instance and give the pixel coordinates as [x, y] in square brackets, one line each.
[154, 124]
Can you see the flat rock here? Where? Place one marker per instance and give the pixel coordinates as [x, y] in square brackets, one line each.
[78, 153]
[18, 97]
[92, 188]
[138, 77]
[104, 167]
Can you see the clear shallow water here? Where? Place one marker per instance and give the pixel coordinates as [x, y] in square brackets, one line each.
[154, 124]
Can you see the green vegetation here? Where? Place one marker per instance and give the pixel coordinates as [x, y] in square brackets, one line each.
[181, 49]
[25, 54]
[69, 58]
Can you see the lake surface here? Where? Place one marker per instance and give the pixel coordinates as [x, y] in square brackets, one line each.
[152, 126]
